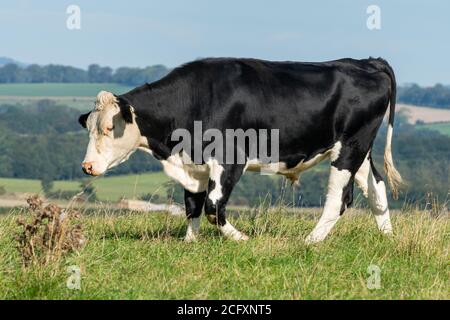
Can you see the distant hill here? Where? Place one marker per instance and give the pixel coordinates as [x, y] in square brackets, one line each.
[6, 60]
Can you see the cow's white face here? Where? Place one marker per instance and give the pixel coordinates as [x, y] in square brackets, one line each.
[113, 134]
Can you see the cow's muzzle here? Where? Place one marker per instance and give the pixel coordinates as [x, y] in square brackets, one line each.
[88, 168]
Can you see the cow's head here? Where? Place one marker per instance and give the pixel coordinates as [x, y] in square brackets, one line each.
[113, 133]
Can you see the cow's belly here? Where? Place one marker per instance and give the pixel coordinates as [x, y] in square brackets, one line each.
[294, 172]
[195, 177]
[191, 176]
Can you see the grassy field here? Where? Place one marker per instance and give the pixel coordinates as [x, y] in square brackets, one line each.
[443, 128]
[75, 95]
[59, 89]
[80, 103]
[141, 256]
[108, 188]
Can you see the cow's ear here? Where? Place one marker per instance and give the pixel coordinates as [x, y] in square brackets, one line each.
[83, 118]
[125, 109]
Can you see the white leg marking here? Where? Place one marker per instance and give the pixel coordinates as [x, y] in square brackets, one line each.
[379, 204]
[232, 233]
[215, 173]
[192, 229]
[362, 177]
[331, 212]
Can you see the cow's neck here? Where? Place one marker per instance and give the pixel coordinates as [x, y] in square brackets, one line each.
[155, 117]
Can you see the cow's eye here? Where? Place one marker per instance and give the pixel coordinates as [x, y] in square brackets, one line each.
[108, 130]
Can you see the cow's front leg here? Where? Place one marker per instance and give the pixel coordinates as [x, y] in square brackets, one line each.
[194, 205]
[222, 180]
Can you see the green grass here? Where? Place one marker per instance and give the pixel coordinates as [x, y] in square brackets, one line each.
[79, 103]
[108, 188]
[443, 128]
[80, 96]
[130, 186]
[142, 256]
[33, 186]
[59, 89]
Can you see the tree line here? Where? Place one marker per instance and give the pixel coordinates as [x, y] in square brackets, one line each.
[12, 73]
[437, 96]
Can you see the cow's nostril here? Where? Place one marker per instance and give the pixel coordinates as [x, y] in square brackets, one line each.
[87, 167]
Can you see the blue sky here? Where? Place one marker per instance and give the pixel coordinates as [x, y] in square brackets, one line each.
[414, 35]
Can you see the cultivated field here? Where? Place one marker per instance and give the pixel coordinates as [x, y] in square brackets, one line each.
[140, 256]
[424, 114]
[109, 188]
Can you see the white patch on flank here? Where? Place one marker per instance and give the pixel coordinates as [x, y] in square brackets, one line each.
[232, 233]
[215, 172]
[191, 176]
[331, 212]
[379, 204]
[293, 173]
[192, 229]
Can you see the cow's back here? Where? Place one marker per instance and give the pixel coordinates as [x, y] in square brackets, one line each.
[309, 103]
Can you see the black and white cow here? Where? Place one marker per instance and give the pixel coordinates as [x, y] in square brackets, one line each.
[321, 110]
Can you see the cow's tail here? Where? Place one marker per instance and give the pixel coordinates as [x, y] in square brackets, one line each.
[393, 176]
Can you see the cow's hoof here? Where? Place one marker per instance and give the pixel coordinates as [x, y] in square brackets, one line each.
[238, 237]
[232, 233]
[244, 237]
[190, 238]
[310, 240]
[387, 231]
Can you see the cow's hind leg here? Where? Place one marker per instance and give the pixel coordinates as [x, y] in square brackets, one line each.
[378, 200]
[374, 189]
[223, 178]
[194, 205]
[339, 196]
[345, 162]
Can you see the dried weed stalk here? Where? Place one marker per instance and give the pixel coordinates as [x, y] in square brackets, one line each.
[50, 233]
